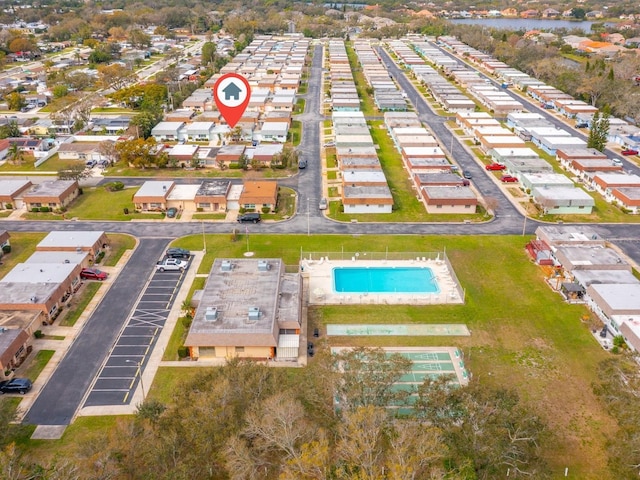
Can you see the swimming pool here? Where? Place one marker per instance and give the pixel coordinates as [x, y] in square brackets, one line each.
[384, 280]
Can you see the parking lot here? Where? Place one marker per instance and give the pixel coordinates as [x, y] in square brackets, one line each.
[121, 372]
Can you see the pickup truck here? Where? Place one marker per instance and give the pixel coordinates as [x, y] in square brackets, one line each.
[172, 264]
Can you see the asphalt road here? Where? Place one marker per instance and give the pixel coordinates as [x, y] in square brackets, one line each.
[60, 398]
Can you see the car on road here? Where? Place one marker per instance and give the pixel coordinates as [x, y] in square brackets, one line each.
[508, 179]
[252, 217]
[582, 125]
[629, 151]
[16, 385]
[302, 164]
[93, 274]
[91, 163]
[495, 166]
[324, 204]
[467, 174]
[172, 265]
[175, 252]
[172, 212]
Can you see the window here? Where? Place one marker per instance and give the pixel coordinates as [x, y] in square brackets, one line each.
[250, 206]
[467, 206]
[19, 352]
[239, 349]
[438, 206]
[53, 205]
[204, 205]
[53, 310]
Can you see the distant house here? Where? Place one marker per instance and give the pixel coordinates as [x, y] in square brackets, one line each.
[89, 241]
[212, 196]
[169, 131]
[152, 196]
[257, 195]
[444, 199]
[54, 194]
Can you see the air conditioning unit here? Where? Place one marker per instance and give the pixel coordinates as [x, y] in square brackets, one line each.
[254, 313]
[211, 314]
[226, 266]
[263, 266]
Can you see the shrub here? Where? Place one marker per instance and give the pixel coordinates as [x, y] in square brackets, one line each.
[183, 352]
[38, 334]
[6, 249]
[242, 210]
[235, 166]
[618, 341]
[186, 321]
[615, 350]
[45, 209]
[8, 206]
[199, 209]
[266, 210]
[234, 235]
[35, 209]
[99, 257]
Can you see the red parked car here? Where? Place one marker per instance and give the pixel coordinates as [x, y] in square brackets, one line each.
[495, 166]
[93, 274]
[629, 151]
[508, 179]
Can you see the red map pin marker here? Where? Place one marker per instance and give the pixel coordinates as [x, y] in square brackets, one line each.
[232, 94]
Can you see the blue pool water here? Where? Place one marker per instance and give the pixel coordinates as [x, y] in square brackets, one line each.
[384, 280]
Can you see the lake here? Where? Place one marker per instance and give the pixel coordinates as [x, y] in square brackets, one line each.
[525, 23]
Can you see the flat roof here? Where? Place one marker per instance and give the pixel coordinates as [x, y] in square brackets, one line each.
[367, 176]
[234, 293]
[183, 192]
[446, 192]
[214, 188]
[515, 152]
[38, 273]
[9, 187]
[367, 192]
[547, 179]
[589, 277]
[55, 256]
[589, 256]
[619, 296]
[564, 193]
[80, 238]
[49, 189]
[184, 150]
[154, 188]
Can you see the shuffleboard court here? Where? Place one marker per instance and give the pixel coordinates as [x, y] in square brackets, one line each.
[398, 330]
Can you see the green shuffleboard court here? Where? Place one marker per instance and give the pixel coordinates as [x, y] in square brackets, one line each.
[451, 329]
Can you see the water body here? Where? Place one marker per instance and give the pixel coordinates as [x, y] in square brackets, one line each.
[525, 23]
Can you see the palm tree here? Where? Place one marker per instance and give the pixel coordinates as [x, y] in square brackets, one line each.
[16, 156]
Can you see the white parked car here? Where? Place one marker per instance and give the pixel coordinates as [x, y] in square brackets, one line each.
[172, 264]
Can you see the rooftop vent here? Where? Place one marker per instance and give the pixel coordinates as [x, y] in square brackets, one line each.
[254, 313]
[211, 314]
[226, 266]
[263, 266]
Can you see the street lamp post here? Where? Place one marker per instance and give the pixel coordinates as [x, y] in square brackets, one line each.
[308, 219]
[139, 372]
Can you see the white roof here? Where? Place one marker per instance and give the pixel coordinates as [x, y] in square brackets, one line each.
[184, 150]
[71, 239]
[68, 256]
[9, 187]
[515, 152]
[183, 192]
[39, 273]
[154, 188]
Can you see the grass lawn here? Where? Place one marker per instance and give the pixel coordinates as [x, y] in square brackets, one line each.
[332, 159]
[286, 205]
[366, 100]
[332, 175]
[295, 132]
[37, 364]
[209, 216]
[168, 379]
[299, 107]
[118, 243]
[180, 332]
[78, 304]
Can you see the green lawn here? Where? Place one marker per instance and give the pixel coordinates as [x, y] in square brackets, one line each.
[180, 332]
[37, 364]
[295, 132]
[209, 216]
[78, 304]
[366, 99]
[118, 243]
[332, 160]
[332, 175]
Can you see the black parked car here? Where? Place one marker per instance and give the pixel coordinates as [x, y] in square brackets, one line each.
[249, 217]
[175, 252]
[316, 332]
[310, 351]
[16, 385]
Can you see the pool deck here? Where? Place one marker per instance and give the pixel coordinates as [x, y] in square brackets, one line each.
[319, 274]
